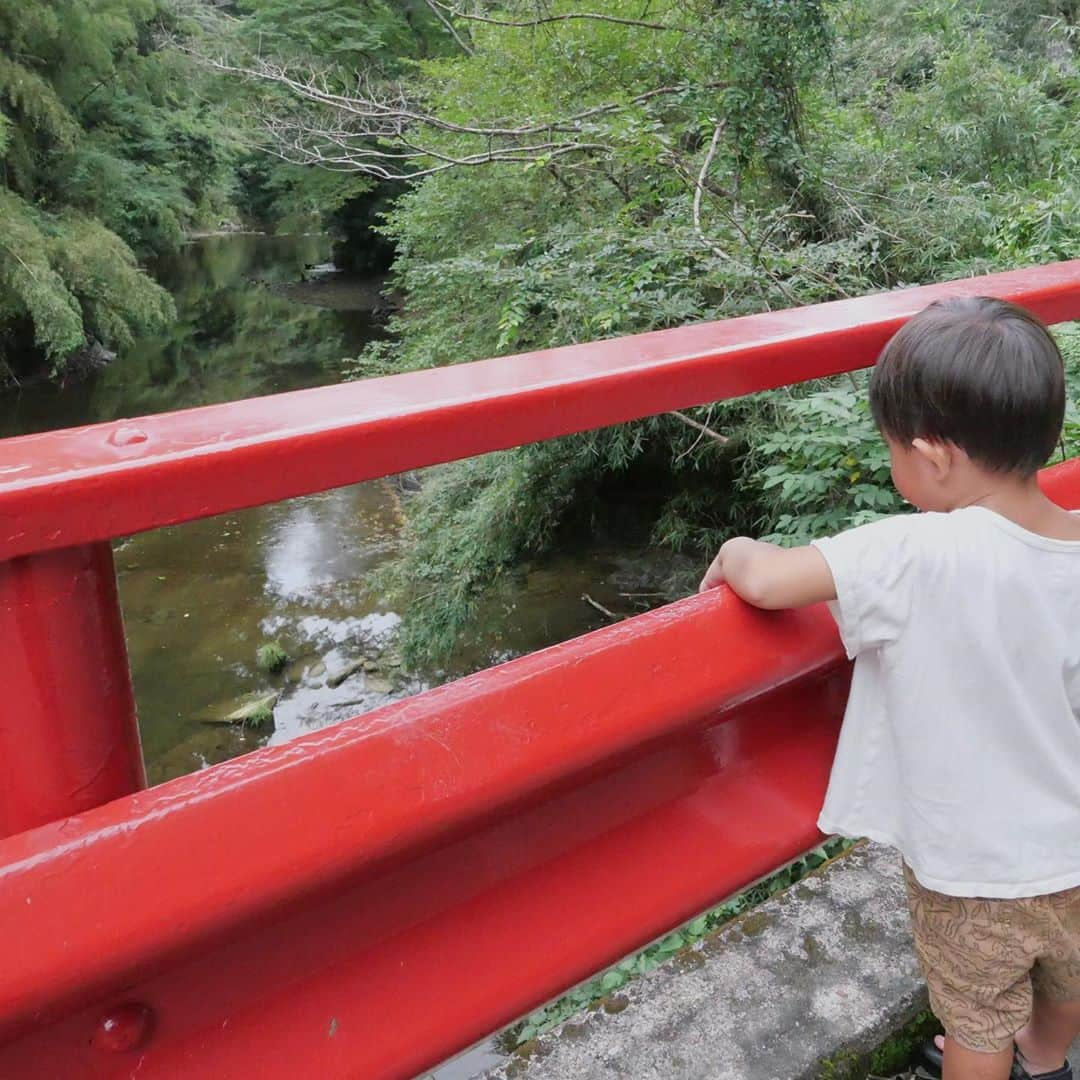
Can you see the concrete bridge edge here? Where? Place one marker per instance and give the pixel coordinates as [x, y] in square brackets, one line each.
[804, 987]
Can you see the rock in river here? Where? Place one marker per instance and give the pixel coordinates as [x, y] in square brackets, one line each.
[252, 711]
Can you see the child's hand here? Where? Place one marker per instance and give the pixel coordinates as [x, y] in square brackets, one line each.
[715, 574]
[771, 577]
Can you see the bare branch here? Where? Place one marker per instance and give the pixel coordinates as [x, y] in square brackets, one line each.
[699, 187]
[702, 185]
[380, 130]
[723, 440]
[395, 111]
[437, 11]
[299, 150]
[614, 616]
[767, 234]
[541, 20]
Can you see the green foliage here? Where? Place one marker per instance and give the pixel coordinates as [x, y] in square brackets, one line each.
[378, 39]
[70, 278]
[271, 657]
[292, 198]
[474, 520]
[888, 1059]
[898, 1049]
[839, 152]
[258, 717]
[1068, 337]
[343, 38]
[952, 134]
[108, 152]
[820, 467]
[32, 288]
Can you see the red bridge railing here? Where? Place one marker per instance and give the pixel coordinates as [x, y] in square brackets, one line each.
[371, 898]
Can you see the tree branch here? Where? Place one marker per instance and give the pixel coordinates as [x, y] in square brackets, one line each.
[396, 109]
[437, 11]
[699, 187]
[380, 130]
[614, 616]
[541, 20]
[723, 440]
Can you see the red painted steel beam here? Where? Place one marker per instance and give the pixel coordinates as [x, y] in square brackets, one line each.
[72, 487]
[1062, 483]
[369, 899]
[68, 735]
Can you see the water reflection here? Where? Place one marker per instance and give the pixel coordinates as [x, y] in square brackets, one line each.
[200, 598]
[236, 335]
[315, 545]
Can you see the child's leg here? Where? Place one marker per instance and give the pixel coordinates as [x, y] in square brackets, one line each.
[964, 1064]
[1055, 1016]
[1044, 1042]
[977, 956]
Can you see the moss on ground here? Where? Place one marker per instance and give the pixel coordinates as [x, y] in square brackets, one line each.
[887, 1059]
[895, 1052]
[846, 1065]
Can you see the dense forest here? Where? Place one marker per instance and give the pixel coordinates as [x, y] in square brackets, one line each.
[107, 158]
[541, 172]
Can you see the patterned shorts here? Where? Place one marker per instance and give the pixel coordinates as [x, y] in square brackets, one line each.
[985, 959]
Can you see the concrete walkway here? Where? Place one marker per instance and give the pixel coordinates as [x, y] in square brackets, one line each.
[800, 988]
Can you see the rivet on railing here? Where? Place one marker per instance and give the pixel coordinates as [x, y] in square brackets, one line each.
[126, 1027]
[128, 436]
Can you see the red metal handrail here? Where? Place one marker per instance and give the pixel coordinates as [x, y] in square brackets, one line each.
[65, 488]
[370, 898]
[416, 811]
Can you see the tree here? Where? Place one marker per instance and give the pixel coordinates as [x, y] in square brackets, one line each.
[332, 41]
[108, 154]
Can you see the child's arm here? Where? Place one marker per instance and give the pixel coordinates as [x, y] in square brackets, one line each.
[771, 577]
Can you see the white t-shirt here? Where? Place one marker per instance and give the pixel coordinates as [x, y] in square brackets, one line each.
[961, 741]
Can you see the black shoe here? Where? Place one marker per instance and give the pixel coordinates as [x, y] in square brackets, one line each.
[931, 1059]
[1020, 1073]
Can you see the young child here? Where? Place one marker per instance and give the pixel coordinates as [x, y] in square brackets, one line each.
[961, 741]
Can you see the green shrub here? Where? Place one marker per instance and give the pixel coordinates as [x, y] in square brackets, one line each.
[271, 657]
[909, 143]
[822, 468]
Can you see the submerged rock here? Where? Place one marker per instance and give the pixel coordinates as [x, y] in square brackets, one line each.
[81, 363]
[339, 677]
[253, 711]
[207, 747]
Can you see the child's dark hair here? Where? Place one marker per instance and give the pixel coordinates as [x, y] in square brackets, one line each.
[981, 373]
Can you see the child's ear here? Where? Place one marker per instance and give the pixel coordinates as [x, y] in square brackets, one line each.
[938, 455]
